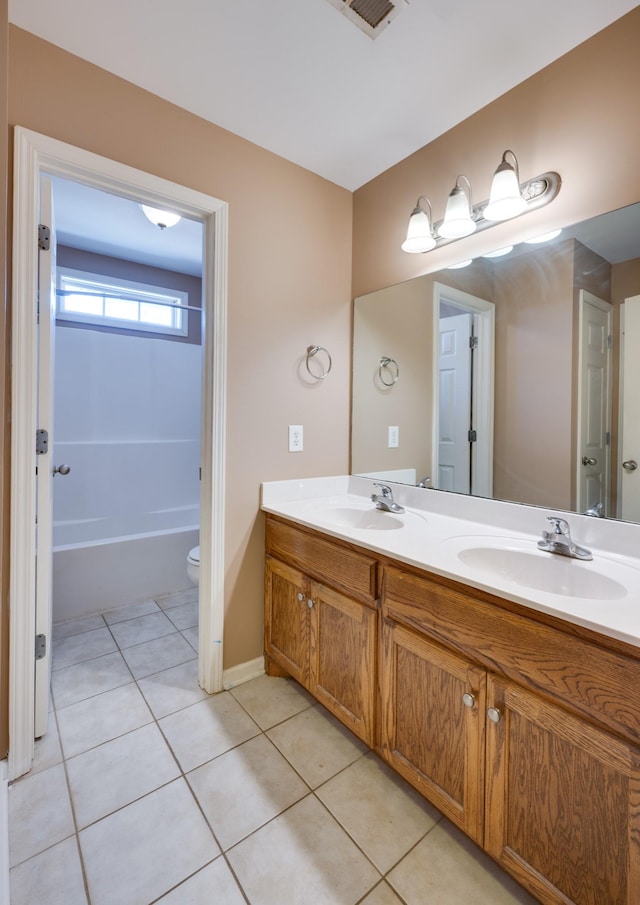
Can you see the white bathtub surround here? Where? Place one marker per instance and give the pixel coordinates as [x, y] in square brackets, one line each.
[128, 425]
[434, 518]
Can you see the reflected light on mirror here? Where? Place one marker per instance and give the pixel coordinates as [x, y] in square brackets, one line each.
[544, 237]
[499, 252]
[460, 265]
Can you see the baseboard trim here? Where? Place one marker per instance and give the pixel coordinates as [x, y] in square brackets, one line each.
[243, 672]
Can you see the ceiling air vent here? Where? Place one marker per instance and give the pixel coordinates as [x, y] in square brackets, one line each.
[371, 16]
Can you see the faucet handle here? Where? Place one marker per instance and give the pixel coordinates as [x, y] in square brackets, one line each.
[560, 525]
[386, 490]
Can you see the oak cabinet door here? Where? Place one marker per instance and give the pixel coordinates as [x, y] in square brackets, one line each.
[563, 802]
[343, 658]
[286, 619]
[433, 723]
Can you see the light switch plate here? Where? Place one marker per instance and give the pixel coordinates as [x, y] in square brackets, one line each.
[394, 437]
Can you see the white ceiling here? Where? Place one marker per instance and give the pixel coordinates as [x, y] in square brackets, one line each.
[298, 78]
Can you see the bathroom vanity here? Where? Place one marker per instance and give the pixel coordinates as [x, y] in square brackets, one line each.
[520, 723]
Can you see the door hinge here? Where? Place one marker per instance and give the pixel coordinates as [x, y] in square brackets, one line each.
[607, 439]
[473, 436]
[44, 237]
[609, 341]
[41, 647]
[473, 342]
[42, 442]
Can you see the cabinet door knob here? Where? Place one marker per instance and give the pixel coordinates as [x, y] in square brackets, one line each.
[468, 699]
[300, 596]
[494, 714]
[310, 603]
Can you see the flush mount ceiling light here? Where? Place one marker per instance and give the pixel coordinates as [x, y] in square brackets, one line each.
[509, 198]
[162, 219]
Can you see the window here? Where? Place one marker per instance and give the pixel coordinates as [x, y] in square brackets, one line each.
[88, 298]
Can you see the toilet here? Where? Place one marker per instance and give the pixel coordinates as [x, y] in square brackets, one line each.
[193, 565]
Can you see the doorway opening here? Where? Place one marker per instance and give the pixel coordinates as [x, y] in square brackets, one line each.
[463, 391]
[36, 155]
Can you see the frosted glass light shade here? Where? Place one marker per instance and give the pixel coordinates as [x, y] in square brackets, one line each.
[505, 200]
[419, 233]
[457, 217]
[160, 218]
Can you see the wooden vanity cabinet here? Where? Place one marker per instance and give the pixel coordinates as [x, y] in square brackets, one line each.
[522, 729]
[432, 730]
[324, 638]
[551, 795]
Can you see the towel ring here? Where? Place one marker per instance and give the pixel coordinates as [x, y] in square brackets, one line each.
[313, 350]
[390, 365]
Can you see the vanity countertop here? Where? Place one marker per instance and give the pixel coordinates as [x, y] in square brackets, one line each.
[487, 544]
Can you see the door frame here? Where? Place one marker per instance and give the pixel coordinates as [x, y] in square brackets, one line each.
[483, 381]
[35, 154]
[588, 298]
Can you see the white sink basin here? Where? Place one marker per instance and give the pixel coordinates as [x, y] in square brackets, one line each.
[369, 519]
[353, 513]
[520, 563]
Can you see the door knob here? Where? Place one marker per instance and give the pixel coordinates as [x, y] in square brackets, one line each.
[62, 469]
[310, 603]
[630, 465]
[494, 714]
[588, 460]
[300, 596]
[468, 699]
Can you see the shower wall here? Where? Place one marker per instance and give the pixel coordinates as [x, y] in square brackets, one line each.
[127, 422]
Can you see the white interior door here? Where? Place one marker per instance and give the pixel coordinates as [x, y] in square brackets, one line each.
[629, 474]
[44, 459]
[594, 411]
[454, 405]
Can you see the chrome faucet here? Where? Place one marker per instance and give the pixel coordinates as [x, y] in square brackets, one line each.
[384, 500]
[595, 510]
[559, 540]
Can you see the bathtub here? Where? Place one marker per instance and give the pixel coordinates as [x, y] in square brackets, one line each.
[103, 563]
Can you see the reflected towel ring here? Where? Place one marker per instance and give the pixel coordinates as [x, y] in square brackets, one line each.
[313, 350]
[391, 365]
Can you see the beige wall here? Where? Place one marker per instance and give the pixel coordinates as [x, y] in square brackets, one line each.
[289, 285]
[578, 117]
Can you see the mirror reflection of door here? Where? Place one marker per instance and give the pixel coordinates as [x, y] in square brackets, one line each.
[454, 407]
[463, 380]
[594, 404]
[629, 472]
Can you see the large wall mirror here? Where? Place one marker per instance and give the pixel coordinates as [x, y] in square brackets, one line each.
[514, 377]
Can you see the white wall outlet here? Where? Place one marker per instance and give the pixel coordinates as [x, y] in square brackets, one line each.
[394, 437]
[295, 438]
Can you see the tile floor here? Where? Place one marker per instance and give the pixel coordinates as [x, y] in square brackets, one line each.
[146, 790]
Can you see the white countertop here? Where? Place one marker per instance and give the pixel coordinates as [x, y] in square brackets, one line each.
[438, 529]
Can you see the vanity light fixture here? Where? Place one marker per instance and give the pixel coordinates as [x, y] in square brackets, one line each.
[159, 218]
[458, 217]
[420, 236]
[505, 200]
[509, 198]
